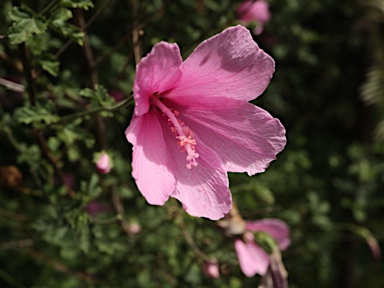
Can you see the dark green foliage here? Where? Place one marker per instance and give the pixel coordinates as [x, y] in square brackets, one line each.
[65, 225]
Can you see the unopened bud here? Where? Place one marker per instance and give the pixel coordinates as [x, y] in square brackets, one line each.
[103, 163]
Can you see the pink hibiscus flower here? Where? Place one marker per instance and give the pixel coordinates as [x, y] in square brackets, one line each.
[192, 121]
[254, 11]
[252, 258]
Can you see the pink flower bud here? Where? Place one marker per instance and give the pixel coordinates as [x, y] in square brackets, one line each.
[212, 269]
[254, 11]
[103, 163]
[134, 228]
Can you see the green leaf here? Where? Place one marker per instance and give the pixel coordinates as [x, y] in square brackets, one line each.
[67, 135]
[266, 241]
[87, 92]
[82, 4]
[30, 155]
[99, 96]
[264, 194]
[92, 188]
[28, 115]
[25, 25]
[60, 16]
[50, 64]
[73, 32]
[85, 239]
[58, 22]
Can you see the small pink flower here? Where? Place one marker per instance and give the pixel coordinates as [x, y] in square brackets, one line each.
[211, 268]
[254, 11]
[103, 163]
[192, 121]
[252, 258]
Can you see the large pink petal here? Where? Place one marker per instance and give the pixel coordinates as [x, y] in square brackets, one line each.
[150, 160]
[244, 136]
[229, 65]
[157, 72]
[203, 190]
[253, 259]
[278, 229]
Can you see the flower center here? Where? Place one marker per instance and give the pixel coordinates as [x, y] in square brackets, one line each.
[183, 134]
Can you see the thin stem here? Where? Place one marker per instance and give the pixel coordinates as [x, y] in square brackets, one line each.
[10, 85]
[87, 49]
[10, 279]
[12, 139]
[261, 211]
[14, 216]
[27, 69]
[83, 28]
[16, 244]
[125, 39]
[52, 159]
[106, 221]
[93, 76]
[119, 208]
[135, 33]
[57, 265]
[74, 116]
[51, 5]
[123, 70]
[97, 13]
[192, 243]
[14, 63]
[63, 48]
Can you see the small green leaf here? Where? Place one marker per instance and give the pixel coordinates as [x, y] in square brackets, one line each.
[264, 194]
[68, 135]
[73, 154]
[82, 4]
[85, 239]
[50, 64]
[58, 22]
[99, 96]
[93, 188]
[87, 92]
[73, 32]
[28, 115]
[60, 16]
[25, 25]
[30, 155]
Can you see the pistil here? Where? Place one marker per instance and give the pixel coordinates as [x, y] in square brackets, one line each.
[184, 135]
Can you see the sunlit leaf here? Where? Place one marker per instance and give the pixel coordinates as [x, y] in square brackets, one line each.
[82, 4]
[25, 25]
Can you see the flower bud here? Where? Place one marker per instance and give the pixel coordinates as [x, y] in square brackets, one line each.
[256, 12]
[103, 163]
[134, 228]
[211, 268]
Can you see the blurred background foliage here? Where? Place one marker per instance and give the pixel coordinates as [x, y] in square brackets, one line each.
[62, 224]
